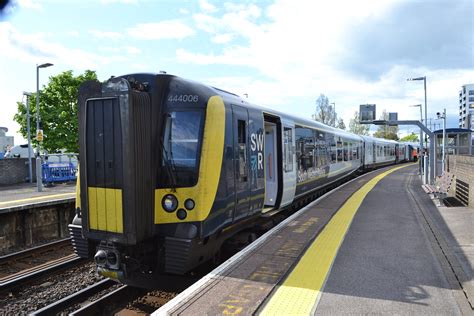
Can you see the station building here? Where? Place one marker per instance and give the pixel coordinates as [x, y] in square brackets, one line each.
[466, 106]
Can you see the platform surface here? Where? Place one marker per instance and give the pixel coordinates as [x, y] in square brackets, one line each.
[25, 195]
[375, 245]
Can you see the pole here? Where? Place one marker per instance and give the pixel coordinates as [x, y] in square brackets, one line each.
[443, 160]
[420, 155]
[30, 172]
[39, 184]
[426, 107]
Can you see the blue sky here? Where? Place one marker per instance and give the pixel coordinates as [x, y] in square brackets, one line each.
[282, 53]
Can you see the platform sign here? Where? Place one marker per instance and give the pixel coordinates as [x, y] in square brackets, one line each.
[366, 113]
[39, 135]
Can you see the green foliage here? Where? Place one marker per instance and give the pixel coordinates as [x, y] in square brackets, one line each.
[357, 128]
[385, 131]
[325, 112]
[58, 112]
[410, 138]
[340, 124]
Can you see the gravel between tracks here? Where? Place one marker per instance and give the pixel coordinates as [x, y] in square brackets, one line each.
[46, 291]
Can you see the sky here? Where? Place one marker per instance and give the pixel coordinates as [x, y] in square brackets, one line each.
[281, 53]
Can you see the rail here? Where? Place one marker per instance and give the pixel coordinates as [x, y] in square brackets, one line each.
[75, 298]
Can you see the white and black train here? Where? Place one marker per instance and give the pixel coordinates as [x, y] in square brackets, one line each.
[170, 169]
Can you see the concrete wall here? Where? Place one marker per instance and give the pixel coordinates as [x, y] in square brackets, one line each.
[29, 226]
[15, 170]
[463, 169]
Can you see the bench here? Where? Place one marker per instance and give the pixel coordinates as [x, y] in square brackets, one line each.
[441, 186]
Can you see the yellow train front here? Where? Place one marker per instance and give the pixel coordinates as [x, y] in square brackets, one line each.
[164, 176]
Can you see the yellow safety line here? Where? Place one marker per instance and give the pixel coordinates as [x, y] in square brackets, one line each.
[37, 198]
[302, 288]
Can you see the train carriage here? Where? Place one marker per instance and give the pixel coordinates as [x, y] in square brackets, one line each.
[170, 169]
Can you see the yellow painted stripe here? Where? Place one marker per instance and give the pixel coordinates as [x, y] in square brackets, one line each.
[105, 209]
[303, 286]
[38, 198]
[119, 210]
[110, 211]
[93, 213]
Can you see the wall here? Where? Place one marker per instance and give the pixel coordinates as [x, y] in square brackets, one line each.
[15, 170]
[28, 226]
[463, 169]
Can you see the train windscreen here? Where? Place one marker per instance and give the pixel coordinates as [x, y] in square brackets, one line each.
[180, 150]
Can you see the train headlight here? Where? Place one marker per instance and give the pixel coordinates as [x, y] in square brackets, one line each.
[181, 214]
[100, 257]
[169, 203]
[189, 204]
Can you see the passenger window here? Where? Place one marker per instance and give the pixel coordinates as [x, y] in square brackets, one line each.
[346, 154]
[333, 153]
[287, 150]
[242, 141]
[339, 151]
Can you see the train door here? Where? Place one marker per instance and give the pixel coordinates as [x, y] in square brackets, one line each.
[289, 164]
[272, 178]
[271, 174]
[374, 153]
[397, 153]
[241, 151]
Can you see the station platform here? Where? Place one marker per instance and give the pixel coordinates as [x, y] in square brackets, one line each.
[377, 244]
[25, 196]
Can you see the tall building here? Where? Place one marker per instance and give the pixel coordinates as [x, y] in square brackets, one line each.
[466, 107]
[5, 141]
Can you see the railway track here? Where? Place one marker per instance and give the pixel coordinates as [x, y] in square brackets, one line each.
[24, 266]
[108, 297]
[25, 259]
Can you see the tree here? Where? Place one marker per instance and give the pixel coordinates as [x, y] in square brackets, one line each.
[385, 131]
[357, 128]
[413, 138]
[340, 124]
[58, 112]
[324, 111]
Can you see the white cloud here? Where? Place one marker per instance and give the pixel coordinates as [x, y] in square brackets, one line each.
[170, 29]
[105, 35]
[207, 7]
[37, 47]
[29, 4]
[294, 48]
[132, 50]
[222, 38]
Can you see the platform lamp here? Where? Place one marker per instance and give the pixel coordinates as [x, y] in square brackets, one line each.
[424, 82]
[39, 132]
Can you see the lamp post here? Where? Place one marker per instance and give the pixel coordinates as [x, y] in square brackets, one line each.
[334, 108]
[39, 183]
[30, 172]
[421, 133]
[424, 82]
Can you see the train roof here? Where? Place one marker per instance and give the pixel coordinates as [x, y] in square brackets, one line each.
[238, 100]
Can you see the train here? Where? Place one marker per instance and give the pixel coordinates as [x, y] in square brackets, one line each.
[171, 169]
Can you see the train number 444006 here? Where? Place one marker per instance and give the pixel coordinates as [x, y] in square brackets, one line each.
[183, 98]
